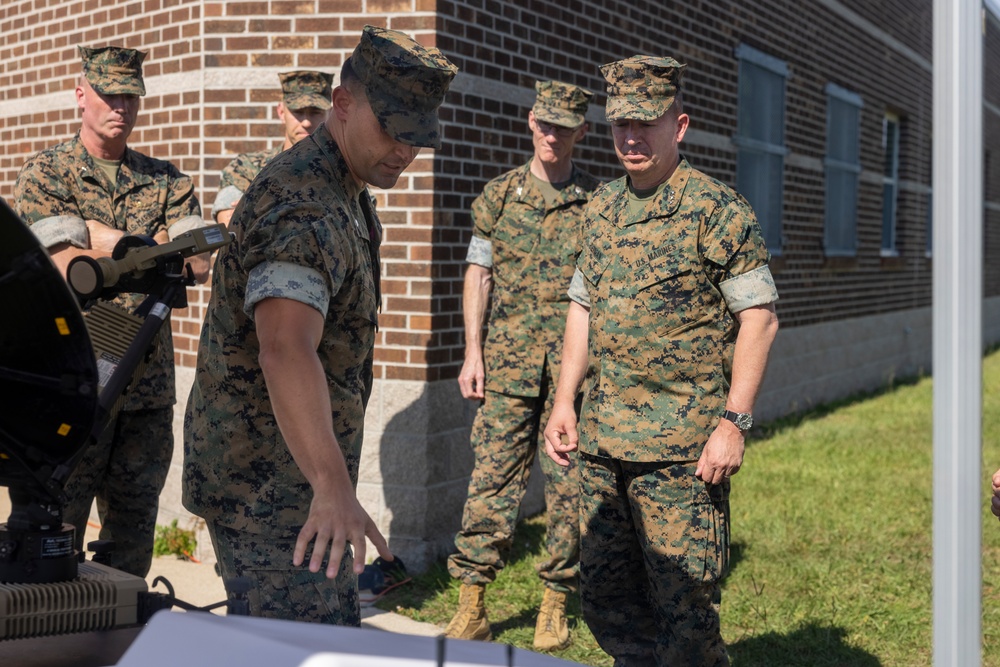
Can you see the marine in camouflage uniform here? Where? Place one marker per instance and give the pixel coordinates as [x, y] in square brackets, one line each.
[304, 104]
[275, 421]
[69, 197]
[526, 238]
[674, 297]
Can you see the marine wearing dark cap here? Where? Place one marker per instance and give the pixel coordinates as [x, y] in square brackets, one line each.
[114, 70]
[68, 197]
[405, 83]
[561, 104]
[673, 300]
[531, 216]
[306, 88]
[302, 92]
[306, 250]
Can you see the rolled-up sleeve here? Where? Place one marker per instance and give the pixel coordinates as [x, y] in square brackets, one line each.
[183, 208]
[480, 252]
[185, 224]
[753, 288]
[226, 200]
[578, 289]
[62, 229]
[285, 280]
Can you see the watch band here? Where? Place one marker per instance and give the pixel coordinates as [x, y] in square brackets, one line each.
[743, 420]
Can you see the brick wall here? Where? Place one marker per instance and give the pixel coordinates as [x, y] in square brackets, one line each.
[212, 72]
[246, 45]
[881, 51]
[219, 62]
[39, 68]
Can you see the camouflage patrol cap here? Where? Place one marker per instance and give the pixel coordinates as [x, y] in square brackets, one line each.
[306, 88]
[113, 70]
[561, 103]
[641, 87]
[405, 84]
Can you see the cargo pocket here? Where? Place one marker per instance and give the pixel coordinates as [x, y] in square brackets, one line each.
[710, 530]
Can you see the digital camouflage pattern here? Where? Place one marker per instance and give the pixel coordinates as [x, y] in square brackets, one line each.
[300, 89]
[60, 188]
[113, 70]
[661, 332]
[561, 103]
[405, 83]
[56, 192]
[658, 604]
[534, 251]
[278, 591]
[125, 470]
[506, 437]
[641, 87]
[303, 232]
[237, 177]
[655, 539]
[532, 247]
[306, 88]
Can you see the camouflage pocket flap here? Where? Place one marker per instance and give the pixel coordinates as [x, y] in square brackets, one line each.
[593, 263]
[660, 269]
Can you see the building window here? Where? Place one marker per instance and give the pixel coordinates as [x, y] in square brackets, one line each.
[843, 169]
[890, 183]
[760, 138]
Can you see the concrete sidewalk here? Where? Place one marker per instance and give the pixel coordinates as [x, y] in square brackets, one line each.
[199, 585]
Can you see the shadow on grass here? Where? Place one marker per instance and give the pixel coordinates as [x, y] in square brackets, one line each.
[811, 645]
[519, 621]
[421, 589]
[736, 555]
[527, 544]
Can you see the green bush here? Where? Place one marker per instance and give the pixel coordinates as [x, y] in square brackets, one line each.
[174, 540]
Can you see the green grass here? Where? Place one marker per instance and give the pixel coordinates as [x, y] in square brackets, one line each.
[832, 544]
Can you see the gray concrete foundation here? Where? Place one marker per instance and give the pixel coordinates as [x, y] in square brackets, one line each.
[416, 459]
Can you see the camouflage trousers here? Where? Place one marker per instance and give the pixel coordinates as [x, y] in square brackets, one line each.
[125, 470]
[506, 438]
[654, 549]
[280, 590]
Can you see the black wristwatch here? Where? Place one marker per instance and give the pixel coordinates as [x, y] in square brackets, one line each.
[743, 420]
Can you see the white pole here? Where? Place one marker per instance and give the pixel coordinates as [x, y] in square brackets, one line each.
[957, 307]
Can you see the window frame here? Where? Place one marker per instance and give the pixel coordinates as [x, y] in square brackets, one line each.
[854, 102]
[889, 247]
[752, 146]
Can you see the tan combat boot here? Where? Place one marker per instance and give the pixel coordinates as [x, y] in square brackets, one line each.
[551, 631]
[470, 620]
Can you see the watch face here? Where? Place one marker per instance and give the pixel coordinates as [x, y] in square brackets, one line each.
[743, 420]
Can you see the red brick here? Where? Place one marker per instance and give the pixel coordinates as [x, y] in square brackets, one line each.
[339, 6]
[427, 221]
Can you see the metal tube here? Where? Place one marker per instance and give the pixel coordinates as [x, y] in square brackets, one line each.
[957, 348]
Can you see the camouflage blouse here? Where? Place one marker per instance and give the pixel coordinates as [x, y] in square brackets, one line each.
[237, 177]
[663, 286]
[534, 247]
[60, 188]
[303, 232]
